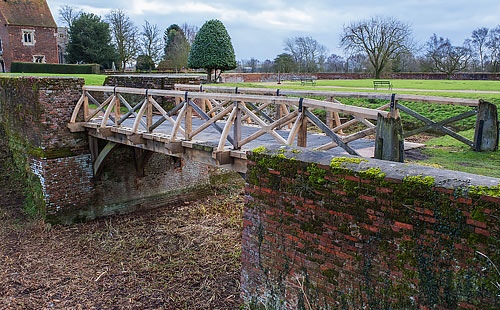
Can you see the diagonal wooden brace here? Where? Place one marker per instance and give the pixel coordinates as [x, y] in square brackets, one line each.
[435, 125]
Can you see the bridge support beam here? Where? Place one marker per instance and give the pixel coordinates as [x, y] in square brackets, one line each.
[141, 159]
[105, 153]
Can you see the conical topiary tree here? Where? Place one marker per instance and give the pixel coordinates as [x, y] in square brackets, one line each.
[212, 49]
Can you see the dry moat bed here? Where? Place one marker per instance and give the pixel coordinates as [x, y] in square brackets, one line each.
[176, 257]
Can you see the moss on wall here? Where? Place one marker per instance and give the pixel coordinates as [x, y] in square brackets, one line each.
[428, 236]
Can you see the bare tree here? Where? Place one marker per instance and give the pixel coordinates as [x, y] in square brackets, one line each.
[445, 57]
[493, 45]
[190, 32]
[479, 40]
[308, 53]
[125, 36]
[151, 42]
[335, 63]
[380, 38]
[67, 14]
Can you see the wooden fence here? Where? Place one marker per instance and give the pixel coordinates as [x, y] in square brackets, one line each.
[486, 129]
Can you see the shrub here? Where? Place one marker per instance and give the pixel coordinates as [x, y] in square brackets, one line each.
[32, 67]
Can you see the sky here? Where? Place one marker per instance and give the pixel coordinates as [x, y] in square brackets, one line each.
[258, 28]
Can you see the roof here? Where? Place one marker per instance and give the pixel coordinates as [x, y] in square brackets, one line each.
[27, 13]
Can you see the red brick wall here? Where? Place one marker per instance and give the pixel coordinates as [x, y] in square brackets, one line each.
[363, 235]
[15, 50]
[273, 77]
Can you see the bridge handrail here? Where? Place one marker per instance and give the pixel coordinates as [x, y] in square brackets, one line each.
[306, 102]
[338, 94]
[268, 113]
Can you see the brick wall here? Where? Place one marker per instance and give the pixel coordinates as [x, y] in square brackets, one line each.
[153, 81]
[15, 50]
[358, 234]
[273, 77]
[55, 165]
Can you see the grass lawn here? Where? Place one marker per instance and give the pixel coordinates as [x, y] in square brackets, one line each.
[448, 153]
[418, 84]
[90, 79]
[435, 112]
[444, 152]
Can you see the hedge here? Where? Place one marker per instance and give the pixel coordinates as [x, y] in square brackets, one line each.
[32, 67]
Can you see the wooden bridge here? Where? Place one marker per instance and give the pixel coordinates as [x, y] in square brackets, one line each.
[200, 124]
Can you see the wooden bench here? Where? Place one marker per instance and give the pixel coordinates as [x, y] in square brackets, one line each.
[384, 84]
[305, 80]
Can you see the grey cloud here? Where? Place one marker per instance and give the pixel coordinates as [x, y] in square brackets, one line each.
[258, 28]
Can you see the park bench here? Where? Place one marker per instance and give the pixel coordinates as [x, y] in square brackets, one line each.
[305, 80]
[377, 84]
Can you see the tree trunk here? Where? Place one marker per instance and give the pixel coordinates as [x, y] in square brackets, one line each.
[209, 75]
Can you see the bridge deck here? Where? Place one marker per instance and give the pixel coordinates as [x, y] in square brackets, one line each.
[207, 141]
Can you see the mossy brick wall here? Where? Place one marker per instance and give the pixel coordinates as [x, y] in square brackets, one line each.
[323, 232]
[55, 165]
[33, 116]
[155, 81]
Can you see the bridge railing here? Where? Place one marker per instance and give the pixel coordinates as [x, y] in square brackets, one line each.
[221, 111]
[486, 113]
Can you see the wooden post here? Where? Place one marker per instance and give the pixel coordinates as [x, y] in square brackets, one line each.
[117, 109]
[486, 133]
[237, 126]
[329, 119]
[337, 121]
[302, 134]
[149, 114]
[86, 108]
[188, 121]
[204, 105]
[389, 141]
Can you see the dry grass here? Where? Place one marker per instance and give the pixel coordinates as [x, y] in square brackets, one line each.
[177, 257]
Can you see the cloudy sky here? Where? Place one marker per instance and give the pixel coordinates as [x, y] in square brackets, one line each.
[258, 28]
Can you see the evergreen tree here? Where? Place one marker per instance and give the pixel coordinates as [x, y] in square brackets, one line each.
[212, 49]
[90, 41]
[176, 48]
[285, 63]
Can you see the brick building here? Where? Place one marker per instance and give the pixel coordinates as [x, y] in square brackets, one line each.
[28, 33]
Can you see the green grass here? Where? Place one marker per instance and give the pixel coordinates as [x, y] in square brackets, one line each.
[444, 152]
[448, 153]
[494, 98]
[418, 84]
[90, 79]
[435, 112]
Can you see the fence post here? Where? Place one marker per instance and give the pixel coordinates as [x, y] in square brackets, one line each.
[302, 134]
[486, 132]
[389, 139]
[85, 107]
[237, 126]
[149, 114]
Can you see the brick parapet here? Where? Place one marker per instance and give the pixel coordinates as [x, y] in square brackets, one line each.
[366, 234]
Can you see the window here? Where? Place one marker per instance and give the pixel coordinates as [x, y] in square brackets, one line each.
[28, 37]
[39, 58]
